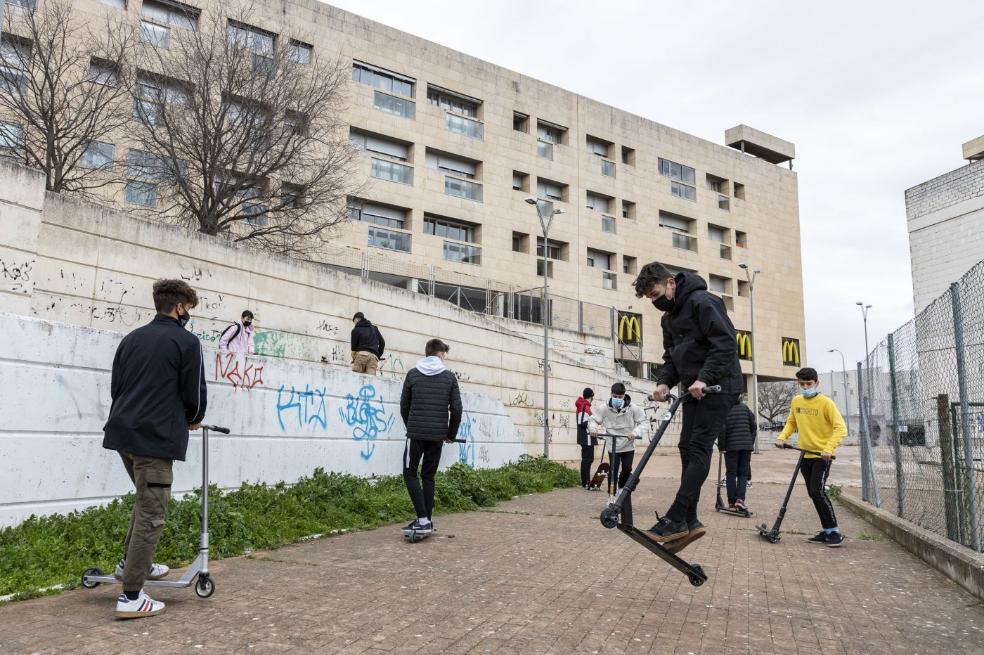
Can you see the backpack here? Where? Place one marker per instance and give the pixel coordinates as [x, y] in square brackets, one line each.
[234, 334]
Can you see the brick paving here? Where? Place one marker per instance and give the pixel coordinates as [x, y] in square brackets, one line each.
[540, 575]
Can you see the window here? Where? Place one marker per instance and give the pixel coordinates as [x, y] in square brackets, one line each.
[628, 156]
[119, 4]
[296, 123]
[450, 228]
[462, 252]
[607, 168]
[388, 239]
[549, 190]
[544, 150]
[520, 242]
[521, 122]
[630, 264]
[459, 188]
[609, 280]
[159, 16]
[717, 284]
[628, 209]
[555, 249]
[521, 181]
[453, 102]
[742, 288]
[598, 146]
[15, 55]
[300, 52]
[291, 196]
[143, 194]
[684, 241]
[548, 135]
[682, 179]
[675, 222]
[11, 138]
[600, 259]
[715, 233]
[98, 155]
[716, 184]
[377, 214]
[539, 268]
[739, 191]
[391, 171]
[379, 145]
[145, 165]
[260, 42]
[458, 166]
[394, 105]
[466, 126]
[741, 239]
[724, 202]
[599, 203]
[152, 94]
[24, 4]
[608, 224]
[382, 79]
[103, 72]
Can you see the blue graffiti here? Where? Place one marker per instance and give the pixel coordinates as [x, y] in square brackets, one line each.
[366, 415]
[308, 406]
[466, 451]
[980, 422]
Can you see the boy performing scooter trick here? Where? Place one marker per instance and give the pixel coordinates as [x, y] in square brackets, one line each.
[700, 351]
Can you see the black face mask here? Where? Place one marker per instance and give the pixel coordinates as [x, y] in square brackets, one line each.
[664, 304]
[183, 319]
[247, 323]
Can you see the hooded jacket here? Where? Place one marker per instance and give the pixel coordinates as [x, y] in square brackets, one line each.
[238, 338]
[431, 401]
[158, 390]
[367, 337]
[630, 420]
[739, 430]
[582, 412]
[699, 340]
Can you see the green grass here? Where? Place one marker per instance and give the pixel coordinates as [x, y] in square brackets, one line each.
[834, 491]
[54, 550]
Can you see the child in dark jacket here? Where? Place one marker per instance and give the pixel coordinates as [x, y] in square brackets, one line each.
[737, 441]
[582, 412]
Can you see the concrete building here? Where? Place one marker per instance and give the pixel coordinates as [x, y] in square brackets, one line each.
[451, 147]
[945, 218]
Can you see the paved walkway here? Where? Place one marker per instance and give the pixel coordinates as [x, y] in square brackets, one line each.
[540, 575]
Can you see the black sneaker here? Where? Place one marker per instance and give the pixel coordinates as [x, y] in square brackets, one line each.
[667, 530]
[818, 538]
[835, 540]
[696, 526]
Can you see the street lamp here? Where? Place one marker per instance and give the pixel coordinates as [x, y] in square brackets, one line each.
[847, 397]
[546, 212]
[750, 276]
[867, 357]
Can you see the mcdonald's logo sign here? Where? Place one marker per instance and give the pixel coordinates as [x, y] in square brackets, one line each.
[744, 344]
[629, 328]
[790, 351]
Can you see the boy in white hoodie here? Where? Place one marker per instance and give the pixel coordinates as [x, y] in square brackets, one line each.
[621, 418]
[431, 409]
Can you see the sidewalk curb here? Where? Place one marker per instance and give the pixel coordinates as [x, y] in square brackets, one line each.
[960, 564]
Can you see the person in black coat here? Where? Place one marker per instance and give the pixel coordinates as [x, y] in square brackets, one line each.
[582, 412]
[431, 409]
[737, 441]
[368, 345]
[158, 392]
[700, 350]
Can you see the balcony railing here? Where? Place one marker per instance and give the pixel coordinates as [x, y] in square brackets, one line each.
[463, 125]
[544, 149]
[392, 171]
[684, 241]
[380, 237]
[462, 252]
[608, 168]
[459, 188]
[609, 280]
[394, 104]
[608, 224]
[725, 251]
[724, 202]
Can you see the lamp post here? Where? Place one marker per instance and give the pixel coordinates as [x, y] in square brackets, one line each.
[867, 358]
[750, 275]
[847, 397]
[546, 212]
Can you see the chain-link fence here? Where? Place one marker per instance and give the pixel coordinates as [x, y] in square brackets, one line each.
[922, 403]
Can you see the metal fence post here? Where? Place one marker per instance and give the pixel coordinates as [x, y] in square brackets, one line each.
[896, 433]
[867, 455]
[863, 437]
[970, 498]
[951, 500]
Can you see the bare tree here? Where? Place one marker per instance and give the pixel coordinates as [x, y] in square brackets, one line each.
[774, 399]
[242, 135]
[62, 93]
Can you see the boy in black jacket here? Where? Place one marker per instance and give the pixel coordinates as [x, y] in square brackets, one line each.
[431, 409]
[737, 441]
[700, 350]
[158, 392]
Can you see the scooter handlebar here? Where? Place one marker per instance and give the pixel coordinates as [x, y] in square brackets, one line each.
[216, 428]
[787, 446]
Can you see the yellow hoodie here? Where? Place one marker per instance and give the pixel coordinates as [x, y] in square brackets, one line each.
[818, 421]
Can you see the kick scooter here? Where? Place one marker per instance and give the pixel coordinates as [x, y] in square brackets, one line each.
[204, 586]
[773, 535]
[619, 511]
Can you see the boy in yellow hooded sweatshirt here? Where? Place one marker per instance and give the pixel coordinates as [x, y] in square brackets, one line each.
[821, 428]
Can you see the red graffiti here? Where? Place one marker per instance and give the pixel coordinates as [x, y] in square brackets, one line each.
[228, 370]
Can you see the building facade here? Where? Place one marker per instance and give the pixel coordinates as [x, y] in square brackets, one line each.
[945, 216]
[451, 147]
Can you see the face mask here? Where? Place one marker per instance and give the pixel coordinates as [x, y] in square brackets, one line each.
[247, 323]
[617, 403]
[809, 393]
[183, 319]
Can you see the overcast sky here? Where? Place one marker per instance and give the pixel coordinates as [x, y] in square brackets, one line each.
[877, 97]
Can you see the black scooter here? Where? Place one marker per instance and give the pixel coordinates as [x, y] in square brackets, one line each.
[773, 535]
[619, 511]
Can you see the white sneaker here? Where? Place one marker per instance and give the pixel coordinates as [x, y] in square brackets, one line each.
[143, 606]
[157, 571]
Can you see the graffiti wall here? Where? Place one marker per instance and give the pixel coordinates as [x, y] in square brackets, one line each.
[287, 418]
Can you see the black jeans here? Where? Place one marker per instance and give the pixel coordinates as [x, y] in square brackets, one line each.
[739, 466]
[430, 452]
[703, 421]
[587, 458]
[815, 472]
[622, 466]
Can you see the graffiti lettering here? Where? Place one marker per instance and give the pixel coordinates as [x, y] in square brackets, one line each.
[227, 368]
[466, 451]
[271, 344]
[462, 377]
[340, 355]
[309, 406]
[16, 276]
[193, 272]
[539, 365]
[590, 350]
[367, 417]
[520, 400]
[392, 367]
[326, 327]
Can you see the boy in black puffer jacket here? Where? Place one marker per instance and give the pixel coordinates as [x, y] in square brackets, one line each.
[431, 410]
[737, 441]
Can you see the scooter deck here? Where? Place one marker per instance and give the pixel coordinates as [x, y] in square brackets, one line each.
[413, 536]
[744, 515]
[694, 572]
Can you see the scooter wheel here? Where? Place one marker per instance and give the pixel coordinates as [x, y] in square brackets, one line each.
[697, 580]
[204, 587]
[609, 517]
[90, 584]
